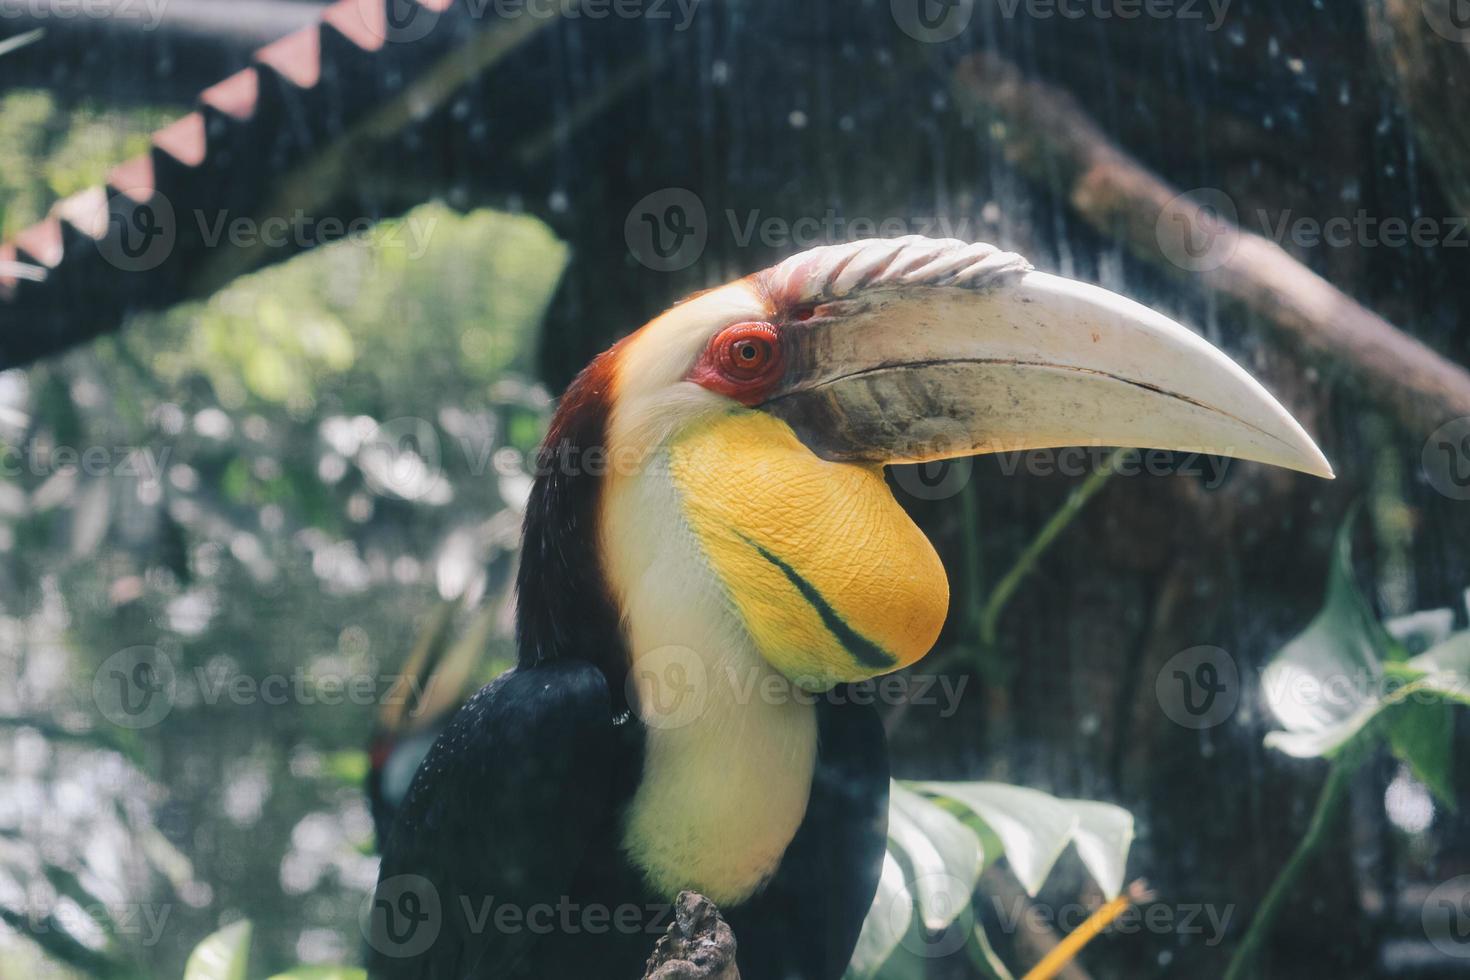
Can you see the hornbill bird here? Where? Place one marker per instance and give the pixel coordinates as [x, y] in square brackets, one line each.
[710, 522]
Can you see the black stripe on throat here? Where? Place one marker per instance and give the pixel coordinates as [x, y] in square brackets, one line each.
[859, 647]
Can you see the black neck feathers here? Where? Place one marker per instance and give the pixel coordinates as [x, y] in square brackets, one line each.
[564, 608]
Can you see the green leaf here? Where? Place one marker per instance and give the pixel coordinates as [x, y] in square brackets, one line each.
[1447, 667]
[1326, 741]
[1321, 685]
[1347, 675]
[1418, 631]
[347, 766]
[889, 918]
[1103, 835]
[1422, 736]
[223, 955]
[943, 854]
[322, 973]
[1033, 828]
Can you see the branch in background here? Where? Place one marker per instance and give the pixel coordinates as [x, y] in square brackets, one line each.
[1050, 139]
[697, 946]
[1431, 72]
[1103, 916]
[1034, 939]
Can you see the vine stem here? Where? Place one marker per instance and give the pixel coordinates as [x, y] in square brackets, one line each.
[1329, 802]
[1026, 561]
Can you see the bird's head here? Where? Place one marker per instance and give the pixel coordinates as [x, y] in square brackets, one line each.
[755, 420]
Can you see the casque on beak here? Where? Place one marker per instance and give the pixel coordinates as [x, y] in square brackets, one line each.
[918, 350]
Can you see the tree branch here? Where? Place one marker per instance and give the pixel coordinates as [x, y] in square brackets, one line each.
[697, 946]
[1049, 138]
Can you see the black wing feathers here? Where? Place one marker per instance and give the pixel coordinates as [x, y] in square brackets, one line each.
[498, 815]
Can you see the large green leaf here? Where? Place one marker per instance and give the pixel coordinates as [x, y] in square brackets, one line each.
[1321, 685]
[888, 919]
[1346, 676]
[1033, 828]
[1419, 631]
[1103, 836]
[943, 854]
[937, 856]
[1446, 667]
[223, 955]
[322, 973]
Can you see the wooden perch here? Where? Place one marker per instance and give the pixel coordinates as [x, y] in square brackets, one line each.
[697, 946]
[1049, 138]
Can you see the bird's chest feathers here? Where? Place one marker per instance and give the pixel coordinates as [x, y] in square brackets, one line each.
[727, 768]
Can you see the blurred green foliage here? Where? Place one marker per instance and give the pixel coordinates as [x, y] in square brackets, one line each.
[49, 149]
[212, 484]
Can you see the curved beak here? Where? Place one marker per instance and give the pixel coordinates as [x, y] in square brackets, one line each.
[924, 372]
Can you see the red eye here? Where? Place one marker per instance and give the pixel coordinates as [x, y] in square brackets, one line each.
[742, 361]
[746, 350]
